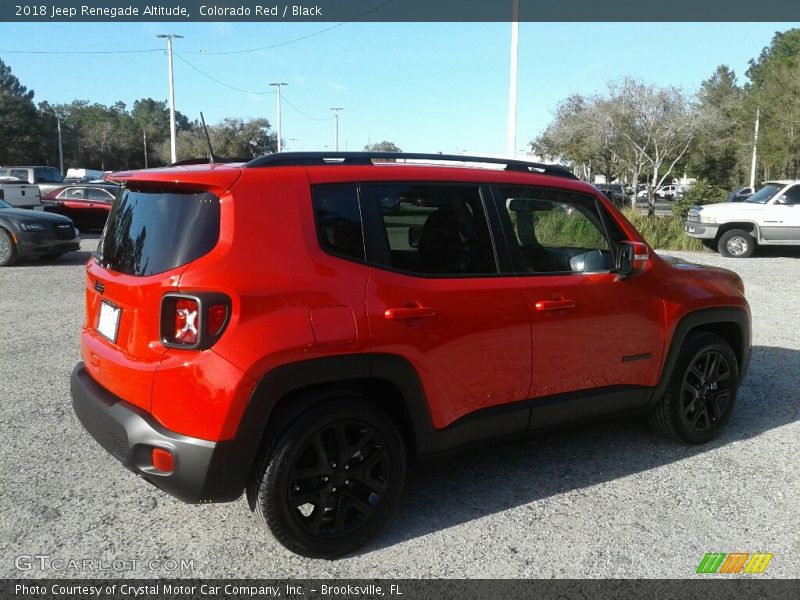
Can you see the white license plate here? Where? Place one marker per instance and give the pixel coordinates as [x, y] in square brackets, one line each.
[108, 322]
[690, 229]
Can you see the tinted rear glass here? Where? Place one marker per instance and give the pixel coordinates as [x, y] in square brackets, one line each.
[151, 232]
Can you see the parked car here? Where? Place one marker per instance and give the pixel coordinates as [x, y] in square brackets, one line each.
[770, 217]
[271, 328]
[740, 194]
[47, 178]
[615, 193]
[664, 192]
[27, 233]
[87, 205]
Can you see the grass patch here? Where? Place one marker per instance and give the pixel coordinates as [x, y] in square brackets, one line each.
[663, 232]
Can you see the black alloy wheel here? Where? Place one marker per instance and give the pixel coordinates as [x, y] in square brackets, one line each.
[701, 391]
[331, 478]
[338, 478]
[706, 391]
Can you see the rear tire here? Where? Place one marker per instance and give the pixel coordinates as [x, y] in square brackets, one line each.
[736, 243]
[8, 250]
[701, 392]
[332, 478]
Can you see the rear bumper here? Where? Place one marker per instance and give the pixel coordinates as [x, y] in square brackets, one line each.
[204, 471]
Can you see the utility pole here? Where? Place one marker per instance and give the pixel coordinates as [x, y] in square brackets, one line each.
[172, 145]
[144, 134]
[278, 87]
[511, 133]
[753, 162]
[60, 147]
[336, 114]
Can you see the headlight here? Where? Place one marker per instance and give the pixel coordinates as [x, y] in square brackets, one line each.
[707, 219]
[693, 215]
[32, 226]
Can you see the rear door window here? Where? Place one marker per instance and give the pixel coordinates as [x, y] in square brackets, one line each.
[431, 229]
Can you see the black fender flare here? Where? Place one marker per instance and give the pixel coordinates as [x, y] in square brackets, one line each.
[276, 384]
[706, 317]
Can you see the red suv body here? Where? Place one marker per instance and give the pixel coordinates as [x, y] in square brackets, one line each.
[301, 325]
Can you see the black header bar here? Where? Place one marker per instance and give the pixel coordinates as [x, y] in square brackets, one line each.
[182, 11]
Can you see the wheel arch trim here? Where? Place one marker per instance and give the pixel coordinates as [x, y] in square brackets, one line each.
[707, 319]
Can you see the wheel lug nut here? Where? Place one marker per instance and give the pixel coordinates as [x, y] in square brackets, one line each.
[333, 490]
[297, 488]
[333, 465]
[347, 482]
[347, 467]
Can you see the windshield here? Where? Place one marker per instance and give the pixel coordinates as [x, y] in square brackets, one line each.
[763, 195]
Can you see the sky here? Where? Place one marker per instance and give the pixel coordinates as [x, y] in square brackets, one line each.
[427, 87]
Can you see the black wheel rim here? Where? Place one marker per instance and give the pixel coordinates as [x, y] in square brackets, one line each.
[706, 390]
[338, 479]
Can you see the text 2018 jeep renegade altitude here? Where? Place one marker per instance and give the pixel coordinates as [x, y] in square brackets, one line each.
[301, 326]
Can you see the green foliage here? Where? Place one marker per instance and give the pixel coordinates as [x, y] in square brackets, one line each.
[559, 229]
[19, 122]
[664, 233]
[699, 193]
[384, 146]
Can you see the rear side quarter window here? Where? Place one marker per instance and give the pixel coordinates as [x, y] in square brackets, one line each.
[338, 220]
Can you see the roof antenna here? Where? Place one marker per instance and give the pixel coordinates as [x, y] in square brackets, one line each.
[208, 140]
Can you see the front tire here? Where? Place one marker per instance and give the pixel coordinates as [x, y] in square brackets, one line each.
[736, 243]
[701, 392]
[331, 479]
[8, 250]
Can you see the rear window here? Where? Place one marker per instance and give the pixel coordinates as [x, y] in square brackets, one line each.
[154, 231]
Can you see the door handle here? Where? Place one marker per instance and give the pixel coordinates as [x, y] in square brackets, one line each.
[554, 304]
[416, 312]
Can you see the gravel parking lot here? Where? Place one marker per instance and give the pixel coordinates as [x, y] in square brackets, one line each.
[602, 500]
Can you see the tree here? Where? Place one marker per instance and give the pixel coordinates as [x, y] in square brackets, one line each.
[652, 126]
[19, 125]
[636, 127]
[775, 90]
[721, 149]
[384, 146]
[232, 138]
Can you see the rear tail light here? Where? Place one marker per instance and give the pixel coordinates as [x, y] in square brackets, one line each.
[193, 322]
[217, 315]
[187, 312]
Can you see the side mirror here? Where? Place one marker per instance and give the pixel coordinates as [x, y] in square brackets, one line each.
[632, 258]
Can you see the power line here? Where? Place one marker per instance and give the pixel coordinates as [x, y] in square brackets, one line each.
[306, 114]
[222, 83]
[238, 89]
[81, 51]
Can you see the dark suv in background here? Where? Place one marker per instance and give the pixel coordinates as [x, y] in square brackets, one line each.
[615, 192]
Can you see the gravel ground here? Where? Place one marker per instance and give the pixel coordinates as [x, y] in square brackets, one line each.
[600, 500]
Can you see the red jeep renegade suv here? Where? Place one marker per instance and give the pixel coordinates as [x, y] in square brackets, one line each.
[301, 326]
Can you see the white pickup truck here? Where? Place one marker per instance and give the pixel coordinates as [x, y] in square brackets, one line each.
[20, 194]
[770, 217]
